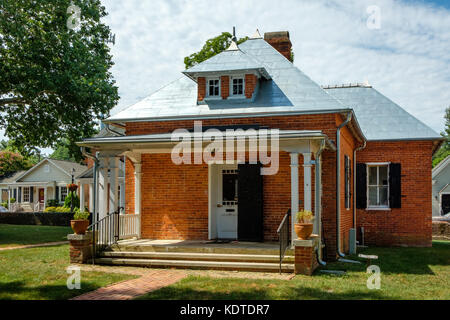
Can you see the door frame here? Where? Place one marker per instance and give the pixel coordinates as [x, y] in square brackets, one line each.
[39, 195]
[214, 169]
[440, 201]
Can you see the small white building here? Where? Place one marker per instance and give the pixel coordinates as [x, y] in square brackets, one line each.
[441, 188]
[46, 180]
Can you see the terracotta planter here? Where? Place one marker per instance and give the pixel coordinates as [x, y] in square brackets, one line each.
[79, 226]
[303, 230]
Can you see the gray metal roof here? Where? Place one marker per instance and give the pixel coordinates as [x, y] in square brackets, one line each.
[11, 177]
[232, 60]
[289, 91]
[379, 117]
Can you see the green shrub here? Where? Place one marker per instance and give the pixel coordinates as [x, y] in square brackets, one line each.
[4, 204]
[52, 203]
[81, 215]
[58, 209]
[76, 200]
[50, 209]
[12, 200]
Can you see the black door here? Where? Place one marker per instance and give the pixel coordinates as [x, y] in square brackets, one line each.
[250, 203]
[445, 205]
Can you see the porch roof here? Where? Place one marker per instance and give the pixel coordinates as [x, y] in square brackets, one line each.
[137, 141]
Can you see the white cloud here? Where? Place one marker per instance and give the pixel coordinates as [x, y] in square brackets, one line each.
[407, 59]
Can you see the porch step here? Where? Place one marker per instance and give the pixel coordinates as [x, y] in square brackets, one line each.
[194, 264]
[198, 256]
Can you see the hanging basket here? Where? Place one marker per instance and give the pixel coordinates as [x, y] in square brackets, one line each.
[72, 187]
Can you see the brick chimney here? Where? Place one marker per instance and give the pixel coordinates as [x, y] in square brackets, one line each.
[280, 41]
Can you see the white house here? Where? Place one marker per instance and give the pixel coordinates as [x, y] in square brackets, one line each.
[46, 180]
[441, 188]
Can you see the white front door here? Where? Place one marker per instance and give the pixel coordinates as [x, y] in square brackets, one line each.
[227, 208]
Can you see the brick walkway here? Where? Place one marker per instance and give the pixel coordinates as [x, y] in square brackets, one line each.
[152, 280]
[47, 244]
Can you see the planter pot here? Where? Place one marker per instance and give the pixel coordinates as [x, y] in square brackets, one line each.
[303, 230]
[79, 226]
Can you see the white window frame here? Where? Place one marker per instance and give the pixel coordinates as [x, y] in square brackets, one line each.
[207, 87]
[243, 86]
[61, 193]
[377, 164]
[23, 195]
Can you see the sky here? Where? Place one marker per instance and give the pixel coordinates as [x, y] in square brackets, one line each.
[402, 48]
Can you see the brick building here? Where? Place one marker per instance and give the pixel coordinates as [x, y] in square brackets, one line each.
[348, 153]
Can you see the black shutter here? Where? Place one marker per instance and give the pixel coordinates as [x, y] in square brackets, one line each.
[250, 203]
[19, 196]
[31, 194]
[395, 185]
[361, 186]
[15, 194]
[57, 193]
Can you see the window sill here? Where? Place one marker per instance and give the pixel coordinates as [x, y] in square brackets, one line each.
[378, 209]
[212, 98]
[239, 97]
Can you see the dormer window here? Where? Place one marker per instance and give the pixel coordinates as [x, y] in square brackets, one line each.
[214, 87]
[237, 86]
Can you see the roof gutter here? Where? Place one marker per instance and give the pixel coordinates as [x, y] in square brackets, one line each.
[108, 129]
[338, 182]
[318, 202]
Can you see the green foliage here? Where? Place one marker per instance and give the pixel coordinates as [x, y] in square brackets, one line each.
[12, 200]
[76, 200]
[62, 151]
[55, 82]
[57, 209]
[212, 47]
[81, 215]
[12, 161]
[4, 204]
[33, 155]
[304, 216]
[444, 151]
[52, 203]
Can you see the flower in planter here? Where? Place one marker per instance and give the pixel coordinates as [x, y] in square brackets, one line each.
[72, 187]
[305, 216]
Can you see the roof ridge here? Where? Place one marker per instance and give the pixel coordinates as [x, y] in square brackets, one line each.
[348, 85]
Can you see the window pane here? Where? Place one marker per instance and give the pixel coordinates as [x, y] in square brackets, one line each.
[373, 175]
[229, 187]
[383, 176]
[383, 196]
[373, 196]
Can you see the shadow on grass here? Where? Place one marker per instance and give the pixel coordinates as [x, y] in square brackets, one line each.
[400, 260]
[17, 290]
[182, 292]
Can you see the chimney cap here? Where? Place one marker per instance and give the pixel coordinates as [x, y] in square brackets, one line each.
[276, 34]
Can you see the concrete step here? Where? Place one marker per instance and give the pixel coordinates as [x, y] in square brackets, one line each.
[198, 256]
[192, 264]
[139, 247]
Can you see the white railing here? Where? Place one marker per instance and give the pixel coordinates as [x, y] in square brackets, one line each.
[128, 226]
[13, 207]
[36, 207]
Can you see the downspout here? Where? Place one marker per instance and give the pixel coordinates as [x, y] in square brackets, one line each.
[338, 182]
[94, 195]
[318, 203]
[354, 181]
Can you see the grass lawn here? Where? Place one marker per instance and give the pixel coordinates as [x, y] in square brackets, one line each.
[13, 235]
[40, 273]
[406, 273]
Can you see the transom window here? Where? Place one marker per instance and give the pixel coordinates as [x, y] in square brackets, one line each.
[63, 193]
[378, 186]
[213, 87]
[237, 86]
[26, 194]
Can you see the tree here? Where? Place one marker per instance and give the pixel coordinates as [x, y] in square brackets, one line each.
[212, 47]
[444, 151]
[12, 161]
[55, 82]
[62, 151]
[32, 155]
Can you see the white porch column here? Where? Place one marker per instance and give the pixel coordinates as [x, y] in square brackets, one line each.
[81, 196]
[122, 196]
[9, 199]
[45, 196]
[91, 197]
[103, 188]
[137, 192]
[294, 191]
[113, 184]
[307, 181]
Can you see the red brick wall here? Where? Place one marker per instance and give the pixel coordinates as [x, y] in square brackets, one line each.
[250, 84]
[276, 187]
[411, 224]
[201, 84]
[225, 86]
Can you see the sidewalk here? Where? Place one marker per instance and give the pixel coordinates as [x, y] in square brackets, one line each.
[152, 280]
